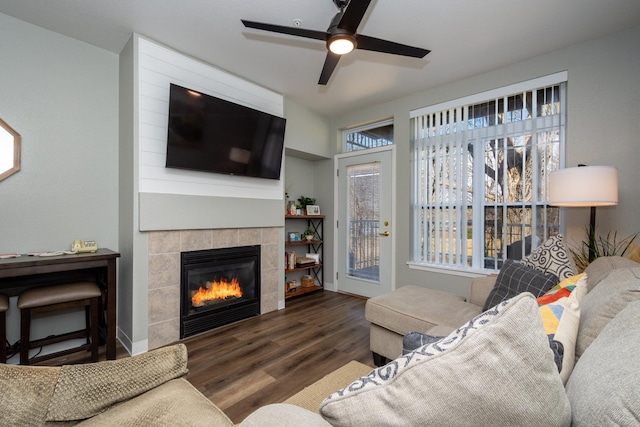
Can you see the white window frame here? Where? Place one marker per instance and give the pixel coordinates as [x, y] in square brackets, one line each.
[362, 128]
[478, 238]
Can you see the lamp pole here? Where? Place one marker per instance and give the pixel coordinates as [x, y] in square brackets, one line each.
[592, 235]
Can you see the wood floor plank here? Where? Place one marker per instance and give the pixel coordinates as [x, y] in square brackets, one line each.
[241, 389]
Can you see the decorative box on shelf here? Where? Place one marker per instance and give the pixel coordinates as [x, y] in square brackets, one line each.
[305, 262]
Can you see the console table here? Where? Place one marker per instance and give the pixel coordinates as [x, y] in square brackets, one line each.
[18, 274]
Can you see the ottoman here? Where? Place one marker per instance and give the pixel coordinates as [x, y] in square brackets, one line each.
[413, 308]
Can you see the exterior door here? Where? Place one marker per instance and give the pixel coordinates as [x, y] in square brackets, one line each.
[364, 234]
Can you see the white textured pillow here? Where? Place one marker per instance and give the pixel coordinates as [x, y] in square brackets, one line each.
[552, 257]
[498, 369]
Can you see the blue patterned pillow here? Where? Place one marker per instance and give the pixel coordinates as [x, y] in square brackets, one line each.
[413, 340]
[552, 257]
[515, 278]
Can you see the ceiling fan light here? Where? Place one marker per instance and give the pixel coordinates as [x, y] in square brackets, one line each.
[341, 44]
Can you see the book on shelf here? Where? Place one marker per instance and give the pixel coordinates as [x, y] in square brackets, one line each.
[303, 261]
[290, 260]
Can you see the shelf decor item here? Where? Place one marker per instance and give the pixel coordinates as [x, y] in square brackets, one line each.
[315, 257]
[291, 208]
[313, 210]
[309, 234]
[305, 262]
[307, 281]
[294, 236]
[304, 201]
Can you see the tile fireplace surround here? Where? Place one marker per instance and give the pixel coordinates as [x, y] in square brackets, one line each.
[164, 272]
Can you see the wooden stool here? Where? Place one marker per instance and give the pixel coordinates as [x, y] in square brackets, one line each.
[55, 298]
[4, 306]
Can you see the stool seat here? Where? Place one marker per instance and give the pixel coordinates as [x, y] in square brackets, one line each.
[38, 297]
[56, 298]
[4, 303]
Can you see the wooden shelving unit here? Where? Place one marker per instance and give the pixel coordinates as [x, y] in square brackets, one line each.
[316, 222]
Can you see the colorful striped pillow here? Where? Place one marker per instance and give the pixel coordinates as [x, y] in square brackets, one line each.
[560, 312]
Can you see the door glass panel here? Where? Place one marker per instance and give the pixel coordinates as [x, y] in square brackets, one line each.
[364, 218]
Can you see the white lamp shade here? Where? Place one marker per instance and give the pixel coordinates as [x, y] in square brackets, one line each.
[584, 186]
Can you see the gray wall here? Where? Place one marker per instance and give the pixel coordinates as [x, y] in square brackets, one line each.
[61, 96]
[307, 169]
[603, 95]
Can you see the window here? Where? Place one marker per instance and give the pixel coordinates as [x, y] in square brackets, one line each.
[9, 150]
[480, 168]
[370, 136]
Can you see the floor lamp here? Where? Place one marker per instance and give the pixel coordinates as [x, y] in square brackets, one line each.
[585, 186]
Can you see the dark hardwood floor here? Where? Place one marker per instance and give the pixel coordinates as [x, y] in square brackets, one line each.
[266, 359]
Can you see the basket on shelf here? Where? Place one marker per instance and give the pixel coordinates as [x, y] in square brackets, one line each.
[307, 281]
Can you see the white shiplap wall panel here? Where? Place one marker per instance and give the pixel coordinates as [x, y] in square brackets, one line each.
[199, 76]
[160, 66]
[197, 187]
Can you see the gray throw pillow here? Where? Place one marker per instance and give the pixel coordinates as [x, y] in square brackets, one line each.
[495, 370]
[515, 278]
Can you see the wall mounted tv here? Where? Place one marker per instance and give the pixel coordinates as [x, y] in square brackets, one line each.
[213, 135]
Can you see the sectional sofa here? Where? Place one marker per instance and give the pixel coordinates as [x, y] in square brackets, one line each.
[496, 369]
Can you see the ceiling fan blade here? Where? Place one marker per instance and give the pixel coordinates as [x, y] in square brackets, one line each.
[329, 65]
[353, 15]
[385, 46]
[293, 31]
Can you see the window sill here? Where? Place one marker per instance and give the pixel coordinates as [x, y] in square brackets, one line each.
[449, 270]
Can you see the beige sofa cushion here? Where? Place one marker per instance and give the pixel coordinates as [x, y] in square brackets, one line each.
[174, 403]
[604, 302]
[603, 389]
[496, 370]
[414, 308]
[600, 267]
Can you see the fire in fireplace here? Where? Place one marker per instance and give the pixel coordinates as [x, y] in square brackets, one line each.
[216, 291]
[218, 287]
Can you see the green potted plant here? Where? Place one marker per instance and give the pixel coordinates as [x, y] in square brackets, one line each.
[309, 234]
[303, 201]
[602, 246]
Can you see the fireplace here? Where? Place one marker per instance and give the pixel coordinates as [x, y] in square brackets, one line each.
[218, 287]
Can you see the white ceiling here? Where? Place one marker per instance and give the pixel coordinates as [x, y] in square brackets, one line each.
[466, 37]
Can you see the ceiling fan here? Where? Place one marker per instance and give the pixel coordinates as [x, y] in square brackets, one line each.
[341, 36]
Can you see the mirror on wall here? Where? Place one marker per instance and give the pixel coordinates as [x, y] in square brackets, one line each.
[9, 150]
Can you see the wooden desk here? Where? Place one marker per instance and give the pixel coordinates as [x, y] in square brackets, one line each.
[18, 274]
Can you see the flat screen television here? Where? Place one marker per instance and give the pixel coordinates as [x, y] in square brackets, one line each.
[213, 135]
